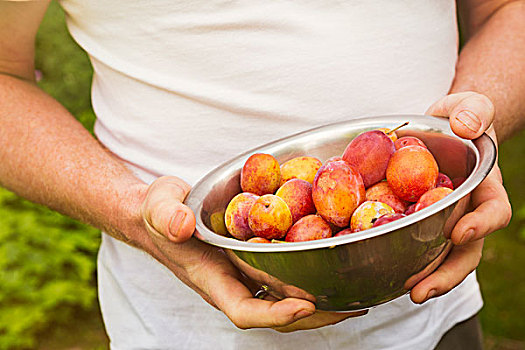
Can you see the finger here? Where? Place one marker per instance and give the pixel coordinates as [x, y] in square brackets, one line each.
[470, 113]
[492, 211]
[461, 261]
[319, 319]
[245, 311]
[219, 279]
[164, 211]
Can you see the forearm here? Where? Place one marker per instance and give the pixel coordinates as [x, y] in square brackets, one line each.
[492, 62]
[50, 158]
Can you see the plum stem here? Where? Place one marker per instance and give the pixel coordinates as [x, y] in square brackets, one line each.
[397, 128]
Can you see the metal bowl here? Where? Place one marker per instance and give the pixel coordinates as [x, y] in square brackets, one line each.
[360, 270]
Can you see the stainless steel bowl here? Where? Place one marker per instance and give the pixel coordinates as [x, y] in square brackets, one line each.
[360, 270]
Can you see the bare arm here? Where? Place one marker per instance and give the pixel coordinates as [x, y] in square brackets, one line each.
[46, 155]
[492, 61]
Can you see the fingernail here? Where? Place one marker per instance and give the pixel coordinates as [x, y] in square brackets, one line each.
[302, 314]
[470, 120]
[467, 236]
[431, 293]
[176, 223]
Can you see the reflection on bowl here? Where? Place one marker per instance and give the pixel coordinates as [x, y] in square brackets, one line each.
[363, 269]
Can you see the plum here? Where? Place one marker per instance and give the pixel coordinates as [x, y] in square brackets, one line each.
[411, 209]
[303, 168]
[344, 232]
[408, 141]
[385, 219]
[370, 153]
[261, 174]
[364, 216]
[297, 194]
[309, 228]
[236, 215]
[444, 181]
[412, 171]
[337, 191]
[381, 192]
[432, 196]
[269, 217]
[258, 240]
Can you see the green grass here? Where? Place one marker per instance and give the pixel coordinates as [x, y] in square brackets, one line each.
[67, 73]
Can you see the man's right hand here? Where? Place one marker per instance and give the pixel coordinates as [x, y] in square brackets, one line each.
[206, 269]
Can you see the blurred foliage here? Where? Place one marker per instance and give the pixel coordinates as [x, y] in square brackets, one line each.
[47, 261]
[520, 215]
[65, 68]
[501, 274]
[46, 269]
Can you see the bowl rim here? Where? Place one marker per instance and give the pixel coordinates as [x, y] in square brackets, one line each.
[481, 169]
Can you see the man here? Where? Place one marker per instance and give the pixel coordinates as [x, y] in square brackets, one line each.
[181, 86]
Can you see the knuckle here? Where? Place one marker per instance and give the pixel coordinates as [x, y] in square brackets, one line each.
[477, 104]
[171, 181]
[447, 283]
[175, 181]
[159, 182]
[505, 209]
[486, 102]
[446, 280]
[238, 319]
[240, 324]
[508, 215]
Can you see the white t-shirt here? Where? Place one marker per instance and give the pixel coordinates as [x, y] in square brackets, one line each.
[181, 86]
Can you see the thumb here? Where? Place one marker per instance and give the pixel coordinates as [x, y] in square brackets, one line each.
[164, 212]
[470, 113]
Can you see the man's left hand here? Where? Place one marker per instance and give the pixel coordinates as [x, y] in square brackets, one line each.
[471, 114]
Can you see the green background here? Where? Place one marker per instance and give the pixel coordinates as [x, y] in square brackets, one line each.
[47, 261]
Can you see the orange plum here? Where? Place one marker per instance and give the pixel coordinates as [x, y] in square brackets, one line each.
[303, 168]
[381, 192]
[432, 196]
[236, 215]
[309, 228]
[270, 217]
[297, 194]
[412, 171]
[261, 174]
[391, 134]
[367, 213]
[337, 190]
